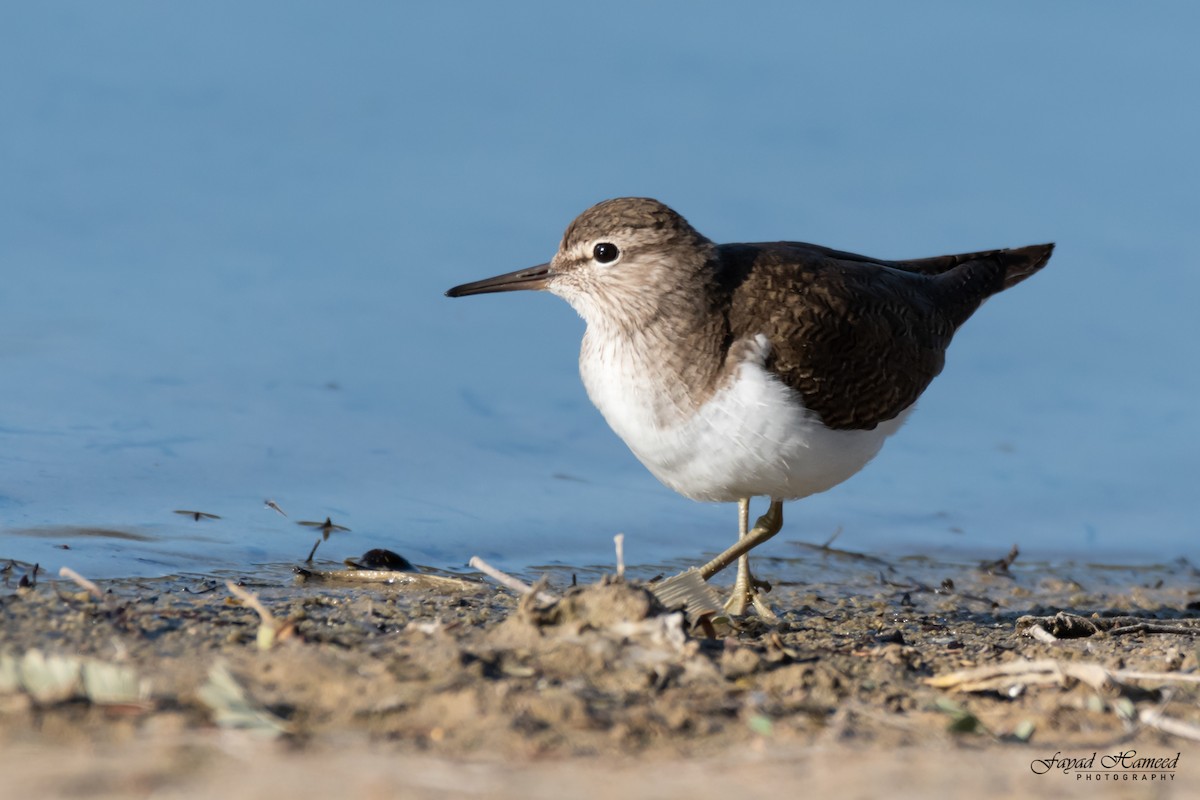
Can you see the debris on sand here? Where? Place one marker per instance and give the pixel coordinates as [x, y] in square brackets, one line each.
[49, 679]
[232, 706]
[415, 581]
[270, 629]
[454, 667]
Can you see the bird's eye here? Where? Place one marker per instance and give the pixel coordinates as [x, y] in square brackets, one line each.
[605, 252]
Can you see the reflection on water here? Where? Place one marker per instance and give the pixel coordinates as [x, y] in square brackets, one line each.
[223, 274]
[72, 531]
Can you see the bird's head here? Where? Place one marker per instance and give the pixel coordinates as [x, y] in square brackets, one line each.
[619, 261]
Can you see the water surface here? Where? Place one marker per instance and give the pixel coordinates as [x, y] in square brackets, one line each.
[225, 231]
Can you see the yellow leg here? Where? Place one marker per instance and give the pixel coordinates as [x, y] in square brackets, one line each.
[745, 587]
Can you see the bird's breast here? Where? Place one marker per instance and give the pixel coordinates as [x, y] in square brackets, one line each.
[750, 435]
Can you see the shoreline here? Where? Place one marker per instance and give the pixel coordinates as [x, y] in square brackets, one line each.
[477, 689]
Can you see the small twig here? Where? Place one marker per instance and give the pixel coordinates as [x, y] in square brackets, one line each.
[508, 581]
[527, 605]
[84, 583]
[312, 552]
[1153, 627]
[1064, 625]
[619, 540]
[997, 677]
[250, 599]
[1041, 634]
[270, 629]
[1136, 675]
[1156, 719]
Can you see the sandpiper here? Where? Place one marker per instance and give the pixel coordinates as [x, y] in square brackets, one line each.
[738, 370]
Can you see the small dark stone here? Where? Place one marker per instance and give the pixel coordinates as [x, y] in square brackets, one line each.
[381, 559]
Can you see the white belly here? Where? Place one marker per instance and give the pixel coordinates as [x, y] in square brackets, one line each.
[753, 437]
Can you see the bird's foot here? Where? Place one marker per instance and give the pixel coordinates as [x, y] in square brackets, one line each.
[747, 593]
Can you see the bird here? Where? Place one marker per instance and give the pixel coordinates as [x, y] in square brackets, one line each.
[196, 515]
[740, 370]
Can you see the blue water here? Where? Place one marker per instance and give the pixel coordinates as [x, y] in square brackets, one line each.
[225, 229]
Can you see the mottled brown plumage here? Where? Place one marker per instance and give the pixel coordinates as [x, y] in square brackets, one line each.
[859, 339]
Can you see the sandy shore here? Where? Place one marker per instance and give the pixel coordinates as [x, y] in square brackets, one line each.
[880, 684]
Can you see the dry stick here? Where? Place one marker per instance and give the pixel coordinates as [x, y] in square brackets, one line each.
[91, 588]
[1151, 627]
[518, 586]
[1045, 669]
[1076, 626]
[270, 629]
[987, 678]
[1156, 719]
[619, 539]
[251, 600]
[1041, 634]
[1135, 675]
[1041, 671]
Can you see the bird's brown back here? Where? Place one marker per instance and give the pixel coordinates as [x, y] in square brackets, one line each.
[859, 339]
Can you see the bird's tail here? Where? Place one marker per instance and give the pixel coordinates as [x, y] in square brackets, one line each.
[966, 280]
[1021, 262]
[1009, 267]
